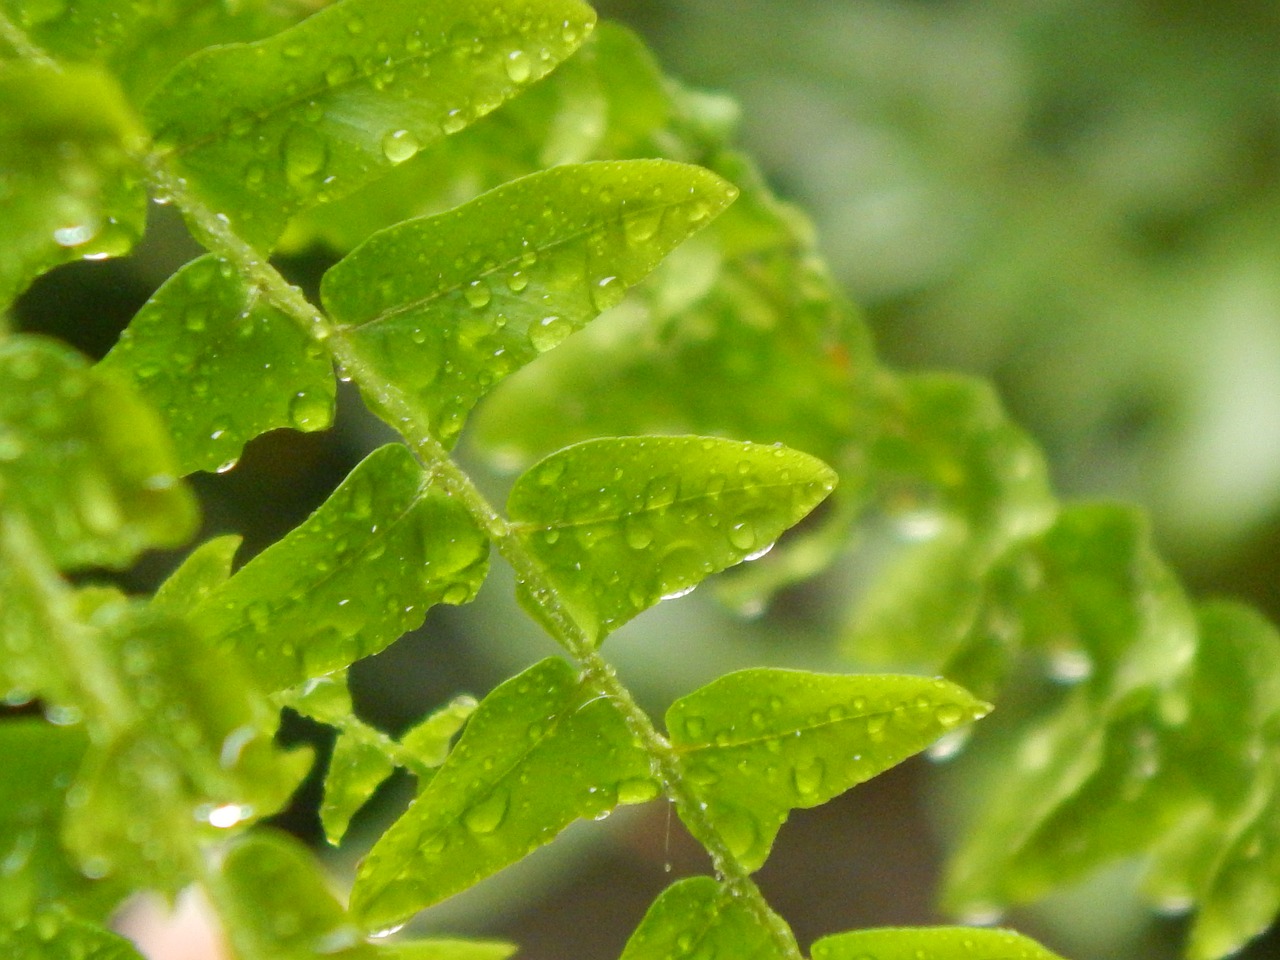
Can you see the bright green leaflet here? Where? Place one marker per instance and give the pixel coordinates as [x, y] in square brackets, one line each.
[55, 936]
[359, 573]
[283, 909]
[699, 917]
[207, 336]
[338, 100]
[930, 943]
[83, 461]
[603, 103]
[759, 743]
[68, 188]
[204, 570]
[621, 523]
[449, 305]
[39, 761]
[540, 752]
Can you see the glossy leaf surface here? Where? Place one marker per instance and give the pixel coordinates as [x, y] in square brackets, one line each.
[930, 943]
[449, 305]
[283, 908]
[69, 184]
[84, 461]
[341, 98]
[204, 570]
[539, 753]
[699, 917]
[759, 743]
[40, 760]
[621, 523]
[222, 366]
[359, 573]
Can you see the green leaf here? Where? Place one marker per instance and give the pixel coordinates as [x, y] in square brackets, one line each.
[83, 461]
[56, 936]
[621, 523]
[447, 950]
[540, 752]
[203, 571]
[759, 743]
[360, 572]
[930, 943]
[428, 742]
[700, 917]
[447, 306]
[344, 96]
[206, 336]
[39, 761]
[356, 770]
[68, 186]
[603, 103]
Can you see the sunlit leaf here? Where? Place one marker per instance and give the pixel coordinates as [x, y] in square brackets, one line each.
[930, 943]
[57, 936]
[359, 573]
[621, 523]
[445, 307]
[204, 570]
[699, 917]
[205, 336]
[39, 761]
[759, 743]
[68, 186]
[326, 106]
[84, 461]
[540, 752]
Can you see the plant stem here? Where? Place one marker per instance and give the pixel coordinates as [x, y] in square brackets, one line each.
[596, 672]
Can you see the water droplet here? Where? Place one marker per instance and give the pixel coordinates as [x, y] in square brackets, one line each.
[340, 71]
[517, 282]
[808, 778]
[680, 592]
[477, 294]
[549, 332]
[400, 145]
[310, 411]
[638, 533]
[1070, 666]
[453, 121]
[607, 292]
[355, 26]
[487, 815]
[641, 225]
[305, 154]
[518, 66]
[74, 235]
[738, 832]
[875, 727]
[695, 727]
[742, 536]
[225, 816]
[948, 745]
[949, 714]
[386, 931]
[637, 790]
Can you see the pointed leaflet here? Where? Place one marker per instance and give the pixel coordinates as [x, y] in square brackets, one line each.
[39, 761]
[69, 184]
[620, 523]
[57, 936]
[360, 572]
[203, 571]
[221, 366]
[540, 752]
[759, 743]
[930, 943]
[699, 917]
[280, 906]
[83, 461]
[603, 103]
[338, 100]
[445, 307]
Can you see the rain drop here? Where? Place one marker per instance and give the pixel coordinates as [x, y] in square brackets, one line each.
[549, 332]
[309, 411]
[808, 777]
[607, 292]
[477, 294]
[400, 145]
[487, 815]
[518, 66]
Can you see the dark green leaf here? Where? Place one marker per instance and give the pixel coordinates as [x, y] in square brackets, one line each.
[68, 187]
[759, 743]
[447, 306]
[540, 752]
[341, 98]
[39, 761]
[361, 571]
[221, 365]
[84, 461]
[930, 943]
[56, 936]
[699, 917]
[624, 522]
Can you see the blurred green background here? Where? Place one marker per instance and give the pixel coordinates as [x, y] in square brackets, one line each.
[1076, 198]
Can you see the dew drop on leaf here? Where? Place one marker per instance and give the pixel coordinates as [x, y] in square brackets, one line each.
[487, 815]
[607, 292]
[309, 412]
[477, 294]
[637, 790]
[807, 778]
[518, 66]
[400, 145]
[548, 332]
[948, 715]
[641, 226]
[304, 154]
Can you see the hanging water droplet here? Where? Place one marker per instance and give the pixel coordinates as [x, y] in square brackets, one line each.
[518, 66]
[1070, 666]
[310, 411]
[549, 332]
[681, 592]
[400, 145]
[487, 815]
[386, 931]
[948, 745]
